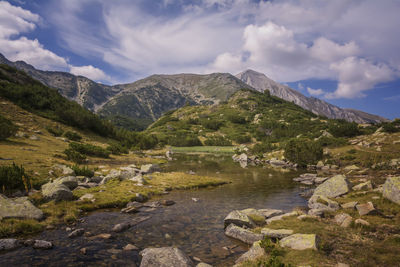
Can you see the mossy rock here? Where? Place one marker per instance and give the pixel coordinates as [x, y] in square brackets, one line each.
[391, 189]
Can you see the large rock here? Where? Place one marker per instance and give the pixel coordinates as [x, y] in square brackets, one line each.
[343, 219]
[255, 252]
[164, 257]
[63, 170]
[280, 217]
[363, 186]
[366, 209]
[9, 244]
[300, 242]
[391, 189]
[56, 191]
[333, 187]
[276, 233]
[20, 208]
[149, 168]
[238, 218]
[321, 202]
[69, 181]
[242, 234]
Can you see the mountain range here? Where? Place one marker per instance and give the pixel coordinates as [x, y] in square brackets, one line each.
[147, 99]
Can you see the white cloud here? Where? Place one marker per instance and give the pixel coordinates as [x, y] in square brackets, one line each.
[315, 92]
[14, 20]
[357, 76]
[89, 72]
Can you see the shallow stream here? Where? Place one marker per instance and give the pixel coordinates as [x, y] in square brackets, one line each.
[196, 227]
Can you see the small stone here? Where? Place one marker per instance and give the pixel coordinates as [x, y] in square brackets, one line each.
[100, 236]
[42, 244]
[167, 202]
[342, 265]
[167, 236]
[363, 186]
[83, 251]
[343, 219]
[366, 209]
[350, 205]
[362, 222]
[76, 233]
[130, 247]
[121, 227]
[129, 210]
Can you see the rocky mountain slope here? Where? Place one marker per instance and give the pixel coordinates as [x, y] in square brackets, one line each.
[261, 83]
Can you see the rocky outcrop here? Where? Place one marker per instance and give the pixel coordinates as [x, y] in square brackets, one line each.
[164, 257]
[242, 234]
[391, 189]
[300, 242]
[321, 202]
[20, 208]
[336, 186]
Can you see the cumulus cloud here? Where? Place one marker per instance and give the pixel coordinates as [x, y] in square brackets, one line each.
[89, 72]
[315, 92]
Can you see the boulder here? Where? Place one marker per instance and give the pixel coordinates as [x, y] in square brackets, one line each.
[317, 212]
[69, 181]
[56, 191]
[333, 187]
[343, 219]
[256, 216]
[9, 244]
[300, 242]
[268, 213]
[280, 217]
[276, 233]
[149, 168]
[42, 244]
[256, 251]
[164, 257]
[63, 170]
[242, 234]
[243, 158]
[391, 189]
[20, 208]
[349, 205]
[366, 209]
[238, 218]
[363, 186]
[322, 203]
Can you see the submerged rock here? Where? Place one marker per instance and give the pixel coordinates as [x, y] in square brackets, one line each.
[42, 244]
[300, 242]
[9, 244]
[164, 257]
[76, 233]
[20, 208]
[242, 234]
[391, 189]
[333, 187]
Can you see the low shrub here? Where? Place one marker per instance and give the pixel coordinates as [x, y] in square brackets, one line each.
[303, 152]
[82, 171]
[241, 138]
[90, 150]
[236, 118]
[56, 131]
[117, 149]
[211, 124]
[262, 148]
[7, 128]
[13, 178]
[73, 136]
[217, 141]
[74, 156]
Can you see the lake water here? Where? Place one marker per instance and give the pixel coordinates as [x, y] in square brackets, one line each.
[196, 227]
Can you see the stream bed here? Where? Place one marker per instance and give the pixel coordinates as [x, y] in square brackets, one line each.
[194, 224]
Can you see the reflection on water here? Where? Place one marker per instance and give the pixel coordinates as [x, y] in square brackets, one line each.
[195, 227]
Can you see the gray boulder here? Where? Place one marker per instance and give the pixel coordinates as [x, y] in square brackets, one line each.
[333, 187]
[69, 181]
[391, 189]
[300, 242]
[20, 208]
[63, 170]
[149, 168]
[366, 209]
[343, 219]
[238, 218]
[42, 244]
[321, 202]
[242, 234]
[56, 191]
[268, 213]
[255, 252]
[164, 257]
[276, 233]
[363, 186]
[280, 217]
[9, 244]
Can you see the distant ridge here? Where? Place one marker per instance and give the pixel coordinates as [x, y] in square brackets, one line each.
[261, 82]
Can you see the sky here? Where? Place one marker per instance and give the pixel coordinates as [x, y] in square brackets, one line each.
[345, 52]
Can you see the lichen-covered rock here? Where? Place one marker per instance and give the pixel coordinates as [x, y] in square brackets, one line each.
[276, 233]
[300, 242]
[9, 244]
[280, 217]
[238, 218]
[20, 208]
[343, 219]
[321, 202]
[366, 209]
[333, 187]
[242, 234]
[255, 252]
[391, 189]
[349, 205]
[268, 213]
[149, 168]
[63, 170]
[56, 191]
[363, 186]
[164, 257]
[69, 181]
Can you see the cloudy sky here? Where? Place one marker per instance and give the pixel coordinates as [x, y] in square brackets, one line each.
[344, 51]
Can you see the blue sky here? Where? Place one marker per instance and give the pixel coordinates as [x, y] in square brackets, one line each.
[342, 51]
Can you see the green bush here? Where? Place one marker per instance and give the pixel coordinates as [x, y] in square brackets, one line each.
[217, 141]
[236, 118]
[241, 138]
[57, 131]
[73, 136]
[117, 149]
[332, 141]
[7, 128]
[211, 124]
[188, 140]
[82, 171]
[262, 148]
[344, 129]
[303, 152]
[391, 127]
[74, 156]
[13, 178]
[89, 150]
